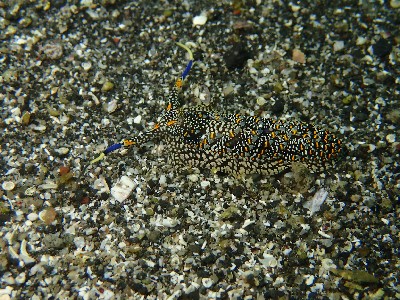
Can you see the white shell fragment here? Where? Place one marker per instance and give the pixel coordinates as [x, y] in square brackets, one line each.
[207, 282]
[123, 188]
[48, 186]
[5, 293]
[169, 222]
[310, 279]
[24, 255]
[338, 45]
[21, 278]
[32, 217]
[200, 20]
[86, 66]
[111, 106]
[8, 185]
[269, 260]
[101, 185]
[137, 119]
[315, 203]
[30, 191]
[62, 150]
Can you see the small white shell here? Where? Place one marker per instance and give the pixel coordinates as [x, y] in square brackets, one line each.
[8, 185]
[86, 66]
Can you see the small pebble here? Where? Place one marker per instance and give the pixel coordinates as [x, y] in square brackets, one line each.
[107, 86]
[207, 282]
[391, 138]
[137, 119]
[360, 41]
[30, 191]
[338, 45]
[24, 255]
[111, 106]
[48, 186]
[79, 242]
[261, 101]
[52, 50]
[62, 150]
[32, 217]
[200, 20]
[85, 200]
[193, 177]
[8, 185]
[66, 177]
[315, 203]
[64, 170]
[269, 260]
[394, 3]
[20, 279]
[310, 280]
[8, 279]
[26, 117]
[205, 184]
[163, 180]
[298, 56]
[169, 222]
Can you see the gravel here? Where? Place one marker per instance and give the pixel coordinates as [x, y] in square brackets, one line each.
[78, 76]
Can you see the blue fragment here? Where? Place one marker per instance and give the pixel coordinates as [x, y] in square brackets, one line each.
[187, 69]
[112, 148]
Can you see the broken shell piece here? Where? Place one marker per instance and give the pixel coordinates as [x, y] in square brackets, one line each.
[111, 106]
[30, 191]
[5, 293]
[48, 186]
[315, 203]
[101, 185]
[268, 260]
[48, 215]
[298, 56]
[169, 222]
[13, 253]
[123, 188]
[24, 255]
